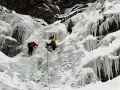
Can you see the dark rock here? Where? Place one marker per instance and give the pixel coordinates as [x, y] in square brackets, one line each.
[70, 25]
[70, 3]
[9, 47]
[44, 9]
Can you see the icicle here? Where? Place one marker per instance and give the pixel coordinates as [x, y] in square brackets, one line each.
[98, 62]
[116, 65]
[119, 17]
[95, 66]
[104, 67]
[95, 30]
[90, 43]
[2, 40]
[111, 72]
[101, 29]
[116, 19]
[106, 25]
[107, 66]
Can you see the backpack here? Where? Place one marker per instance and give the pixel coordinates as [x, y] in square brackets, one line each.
[53, 40]
[29, 44]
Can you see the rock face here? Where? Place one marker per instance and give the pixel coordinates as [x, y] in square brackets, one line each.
[9, 47]
[69, 3]
[45, 9]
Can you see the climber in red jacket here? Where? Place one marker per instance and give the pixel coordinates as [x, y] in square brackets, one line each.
[31, 45]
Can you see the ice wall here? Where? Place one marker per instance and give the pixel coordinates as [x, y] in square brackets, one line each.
[103, 55]
[58, 30]
[22, 25]
[87, 55]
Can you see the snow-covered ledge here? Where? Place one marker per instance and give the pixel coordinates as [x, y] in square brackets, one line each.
[104, 60]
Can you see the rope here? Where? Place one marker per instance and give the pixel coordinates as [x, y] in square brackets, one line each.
[48, 71]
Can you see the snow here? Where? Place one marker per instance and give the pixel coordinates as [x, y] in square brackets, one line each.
[109, 38]
[112, 7]
[102, 51]
[110, 85]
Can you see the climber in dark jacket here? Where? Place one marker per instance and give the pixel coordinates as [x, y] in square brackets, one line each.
[31, 45]
[52, 43]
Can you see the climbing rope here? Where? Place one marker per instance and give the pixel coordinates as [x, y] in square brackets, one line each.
[48, 74]
[48, 71]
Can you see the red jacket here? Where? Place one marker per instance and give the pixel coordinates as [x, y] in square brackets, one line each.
[34, 44]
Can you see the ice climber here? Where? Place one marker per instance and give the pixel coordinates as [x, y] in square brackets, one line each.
[52, 44]
[31, 46]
